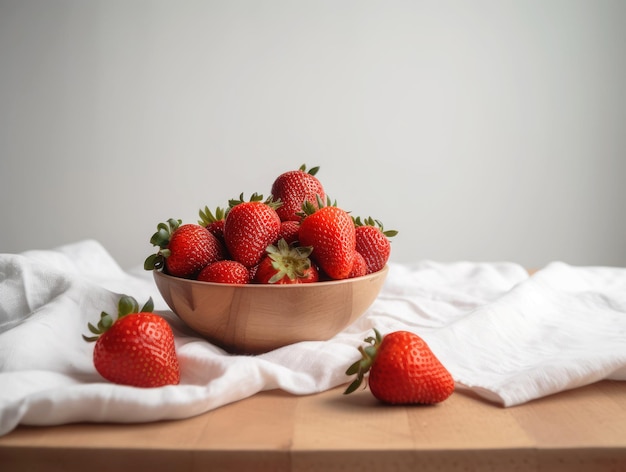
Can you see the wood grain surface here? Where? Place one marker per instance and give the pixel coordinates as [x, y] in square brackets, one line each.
[578, 430]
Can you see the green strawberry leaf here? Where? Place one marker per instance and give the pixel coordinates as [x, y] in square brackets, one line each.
[353, 386]
[153, 261]
[105, 322]
[148, 306]
[127, 305]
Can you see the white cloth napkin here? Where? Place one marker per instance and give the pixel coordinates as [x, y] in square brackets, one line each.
[508, 337]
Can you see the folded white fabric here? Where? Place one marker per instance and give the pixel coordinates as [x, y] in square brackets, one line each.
[508, 337]
[563, 328]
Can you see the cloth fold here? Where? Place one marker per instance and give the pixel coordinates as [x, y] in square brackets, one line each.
[508, 337]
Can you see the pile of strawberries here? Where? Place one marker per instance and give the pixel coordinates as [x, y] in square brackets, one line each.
[296, 235]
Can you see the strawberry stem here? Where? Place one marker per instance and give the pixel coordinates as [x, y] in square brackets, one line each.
[369, 221]
[363, 365]
[290, 261]
[125, 306]
[311, 171]
[207, 217]
[161, 239]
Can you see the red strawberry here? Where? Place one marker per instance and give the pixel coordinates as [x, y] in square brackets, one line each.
[225, 272]
[295, 187]
[214, 223]
[184, 249]
[135, 349]
[289, 231]
[402, 370]
[372, 242]
[286, 264]
[359, 266]
[330, 231]
[250, 227]
[252, 271]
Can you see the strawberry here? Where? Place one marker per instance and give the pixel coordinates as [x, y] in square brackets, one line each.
[214, 223]
[286, 264]
[135, 349]
[250, 227]
[293, 189]
[331, 232]
[372, 242]
[288, 231]
[225, 272]
[402, 370]
[359, 266]
[252, 271]
[184, 249]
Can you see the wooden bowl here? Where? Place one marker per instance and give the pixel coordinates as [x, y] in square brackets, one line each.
[256, 318]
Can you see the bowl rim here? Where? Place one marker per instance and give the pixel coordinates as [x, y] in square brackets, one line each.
[251, 286]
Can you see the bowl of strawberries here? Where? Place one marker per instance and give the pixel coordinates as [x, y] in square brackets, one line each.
[268, 272]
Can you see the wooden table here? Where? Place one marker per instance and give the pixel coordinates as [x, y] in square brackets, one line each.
[582, 429]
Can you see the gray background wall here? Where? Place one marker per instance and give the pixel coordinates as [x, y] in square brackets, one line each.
[481, 130]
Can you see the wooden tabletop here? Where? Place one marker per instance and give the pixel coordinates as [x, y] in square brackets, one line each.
[581, 429]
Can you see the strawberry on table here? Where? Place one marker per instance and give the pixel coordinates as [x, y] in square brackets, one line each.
[294, 188]
[135, 349]
[286, 264]
[183, 249]
[372, 242]
[250, 227]
[225, 272]
[330, 231]
[402, 370]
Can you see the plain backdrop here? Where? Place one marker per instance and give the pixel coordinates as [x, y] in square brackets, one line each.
[480, 130]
